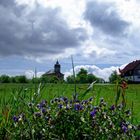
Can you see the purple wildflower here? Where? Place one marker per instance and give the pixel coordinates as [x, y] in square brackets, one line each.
[60, 106]
[124, 128]
[92, 113]
[112, 107]
[44, 111]
[78, 107]
[15, 119]
[43, 103]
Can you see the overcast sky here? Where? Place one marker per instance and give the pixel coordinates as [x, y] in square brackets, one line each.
[101, 35]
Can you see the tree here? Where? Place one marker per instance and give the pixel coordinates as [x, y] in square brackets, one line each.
[70, 79]
[4, 79]
[12, 79]
[91, 78]
[113, 77]
[21, 79]
[81, 76]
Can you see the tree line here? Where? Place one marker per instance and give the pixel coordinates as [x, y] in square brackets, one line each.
[81, 77]
[84, 77]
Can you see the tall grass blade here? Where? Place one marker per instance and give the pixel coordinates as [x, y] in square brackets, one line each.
[117, 95]
[88, 89]
[75, 92]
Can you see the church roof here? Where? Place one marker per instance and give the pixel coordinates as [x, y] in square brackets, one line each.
[130, 66]
[50, 71]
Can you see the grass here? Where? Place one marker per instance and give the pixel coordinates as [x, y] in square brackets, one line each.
[49, 91]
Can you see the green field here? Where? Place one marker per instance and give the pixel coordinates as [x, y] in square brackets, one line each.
[9, 92]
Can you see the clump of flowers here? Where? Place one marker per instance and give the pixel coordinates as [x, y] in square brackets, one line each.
[62, 118]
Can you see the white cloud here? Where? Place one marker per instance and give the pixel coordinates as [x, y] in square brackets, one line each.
[30, 74]
[99, 72]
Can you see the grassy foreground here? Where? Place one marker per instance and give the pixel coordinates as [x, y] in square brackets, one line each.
[9, 92]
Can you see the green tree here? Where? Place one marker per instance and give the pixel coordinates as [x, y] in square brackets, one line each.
[4, 79]
[70, 79]
[81, 76]
[12, 79]
[113, 77]
[21, 79]
[91, 78]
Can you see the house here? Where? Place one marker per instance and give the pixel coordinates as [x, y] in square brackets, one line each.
[131, 72]
[56, 72]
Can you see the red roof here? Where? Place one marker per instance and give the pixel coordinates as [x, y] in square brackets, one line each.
[130, 66]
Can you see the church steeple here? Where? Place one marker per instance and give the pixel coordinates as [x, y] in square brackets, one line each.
[57, 67]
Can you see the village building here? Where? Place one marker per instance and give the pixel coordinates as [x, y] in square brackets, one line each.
[56, 72]
[131, 72]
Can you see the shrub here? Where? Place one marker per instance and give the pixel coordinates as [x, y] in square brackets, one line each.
[62, 118]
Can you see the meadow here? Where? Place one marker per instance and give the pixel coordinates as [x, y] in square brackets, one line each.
[54, 111]
[9, 94]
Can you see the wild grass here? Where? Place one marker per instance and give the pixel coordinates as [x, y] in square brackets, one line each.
[10, 92]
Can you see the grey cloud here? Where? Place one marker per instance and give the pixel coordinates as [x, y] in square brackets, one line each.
[104, 16]
[50, 35]
[7, 3]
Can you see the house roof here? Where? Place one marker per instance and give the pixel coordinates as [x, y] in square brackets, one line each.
[130, 66]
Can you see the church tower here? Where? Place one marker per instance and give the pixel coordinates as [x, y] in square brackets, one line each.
[57, 67]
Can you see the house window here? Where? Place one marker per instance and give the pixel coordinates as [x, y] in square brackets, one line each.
[138, 72]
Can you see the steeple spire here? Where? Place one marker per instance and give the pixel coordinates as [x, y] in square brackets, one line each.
[57, 67]
[57, 62]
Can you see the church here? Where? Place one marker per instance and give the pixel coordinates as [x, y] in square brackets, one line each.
[56, 72]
